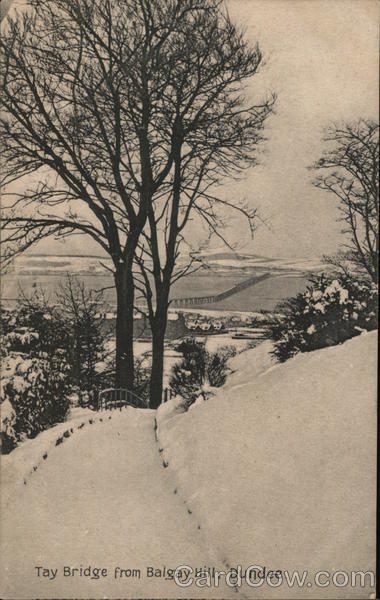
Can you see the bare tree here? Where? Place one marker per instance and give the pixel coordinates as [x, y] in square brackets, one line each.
[82, 82]
[217, 135]
[349, 169]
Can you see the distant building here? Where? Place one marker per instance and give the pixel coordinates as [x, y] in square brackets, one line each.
[175, 327]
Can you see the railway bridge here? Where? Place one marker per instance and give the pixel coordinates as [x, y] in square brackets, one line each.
[199, 300]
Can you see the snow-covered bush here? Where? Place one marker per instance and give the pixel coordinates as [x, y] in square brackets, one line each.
[217, 365]
[71, 323]
[9, 435]
[194, 358]
[35, 326]
[37, 390]
[35, 374]
[183, 382]
[198, 368]
[329, 312]
[141, 382]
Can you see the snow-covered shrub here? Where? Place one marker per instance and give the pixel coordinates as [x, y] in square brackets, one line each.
[35, 374]
[329, 312]
[71, 323]
[35, 390]
[194, 358]
[217, 365]
[9, 436]
[183, 382]
[198, 368]
[141, 382]
[34, 327]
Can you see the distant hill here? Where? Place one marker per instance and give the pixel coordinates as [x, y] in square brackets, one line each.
[232, 260]
[228, 255]
[36, 264]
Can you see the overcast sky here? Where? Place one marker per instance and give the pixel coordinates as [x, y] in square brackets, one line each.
[322, 60]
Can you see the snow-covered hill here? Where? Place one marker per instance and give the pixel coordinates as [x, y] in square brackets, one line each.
[220, 258]
[277, 470]
[101, 500]
[280, 465]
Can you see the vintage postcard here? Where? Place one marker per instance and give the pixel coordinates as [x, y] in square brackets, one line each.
[189, 292]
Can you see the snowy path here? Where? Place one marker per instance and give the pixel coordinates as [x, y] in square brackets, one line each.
[101, 499]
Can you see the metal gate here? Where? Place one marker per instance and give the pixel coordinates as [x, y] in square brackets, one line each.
[113, 398]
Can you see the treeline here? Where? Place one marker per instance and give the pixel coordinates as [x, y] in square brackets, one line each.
[54, 354]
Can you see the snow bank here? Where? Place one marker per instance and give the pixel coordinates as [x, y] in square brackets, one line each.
[279, 466]
[103, 501]
[18, 466]
[243, 367]
[249, 365]
[170, 409]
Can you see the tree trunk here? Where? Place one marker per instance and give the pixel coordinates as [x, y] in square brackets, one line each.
[124, 328]
[159, 321]
[158, 340]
